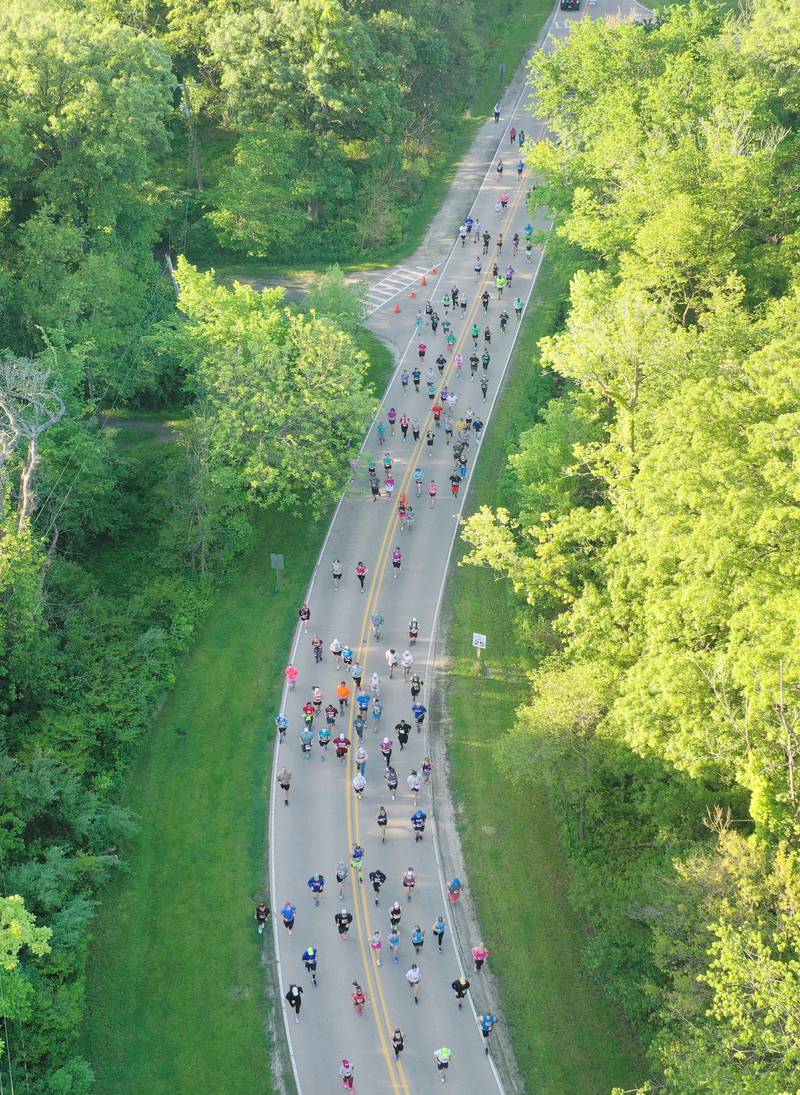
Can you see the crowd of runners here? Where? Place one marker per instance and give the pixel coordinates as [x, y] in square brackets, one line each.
[340, 720]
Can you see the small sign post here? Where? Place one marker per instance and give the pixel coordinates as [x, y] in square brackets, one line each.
[479, 642]
[276, 561]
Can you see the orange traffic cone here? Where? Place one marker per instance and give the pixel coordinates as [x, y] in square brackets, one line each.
[424, 280]
[413, 294]
[434, 271]
[397, 307]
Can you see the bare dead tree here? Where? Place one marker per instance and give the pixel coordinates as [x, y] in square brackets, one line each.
[31, 404]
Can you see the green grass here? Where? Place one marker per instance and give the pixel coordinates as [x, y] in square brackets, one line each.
[176, 986]
[567, 1036]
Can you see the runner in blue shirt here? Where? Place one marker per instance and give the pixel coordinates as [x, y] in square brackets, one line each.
[310, 961]
[288, 913]
[282, 724]
[438, 931]
[487, 1023]
[418, 820]
[419, 711]
[316, 884]
[363, 700]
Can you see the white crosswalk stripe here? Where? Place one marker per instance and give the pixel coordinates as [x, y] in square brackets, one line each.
[400, 280]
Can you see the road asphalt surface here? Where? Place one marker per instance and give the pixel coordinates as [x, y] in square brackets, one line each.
[323, 819]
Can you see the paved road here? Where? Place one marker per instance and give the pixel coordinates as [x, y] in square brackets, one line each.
[323, 820]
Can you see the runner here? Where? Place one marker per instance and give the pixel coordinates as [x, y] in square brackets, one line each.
[442, 1057]
[419, 710]
[377, 878]
[418, 819]
[343, 695]
[306, 737]
[304, 612]
[360, 726]
[404, 378]
[341, 744]
[413, 976]
[310, 962]
[341, 876]
[356, 672]
[343, 921]
[497, 113]
[455, 484]
[392, 660]
[392, 416]
[291, 674]
[487, 1022]
[383, 821]
[282, 724]
[518, 306]
[413, 782]
[459, 360]
[316, 646]
[438, 931]
[487, 239]
[416, 376]
[460, 987]
[359, 999]
[393, 939]
[479, 955]
[316, 884]
[454, 890]
[475, 332]
[284, 779]
[397, 561]
[376, 944]
[288, 913]
[361, 573]
[515, 242]
[294, 998]
[360, 759]
[395, 915]
[413, 630]
[503, 322]
[346, 1072]
[403, 729]
[262, 916]
[430, 437]
[398, 1043]
[376, 711]
[417, 939]
[390, 775]
[359, 785]
[499, 169]
[405, 422]
[409, 882]
[357, 861]
[415, 429]
[512, 134]
[386, 750]
[476, 267]
[425, 770]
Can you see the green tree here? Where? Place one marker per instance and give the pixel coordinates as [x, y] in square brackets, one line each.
[286, 391]
[19, 935]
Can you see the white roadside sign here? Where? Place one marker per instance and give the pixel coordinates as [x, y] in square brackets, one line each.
[478, 640]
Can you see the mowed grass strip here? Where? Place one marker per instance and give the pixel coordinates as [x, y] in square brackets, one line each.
[176, 985]
[568, 1038]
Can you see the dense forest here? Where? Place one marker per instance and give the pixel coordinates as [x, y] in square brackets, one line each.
[301, 112]
[652, 531]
